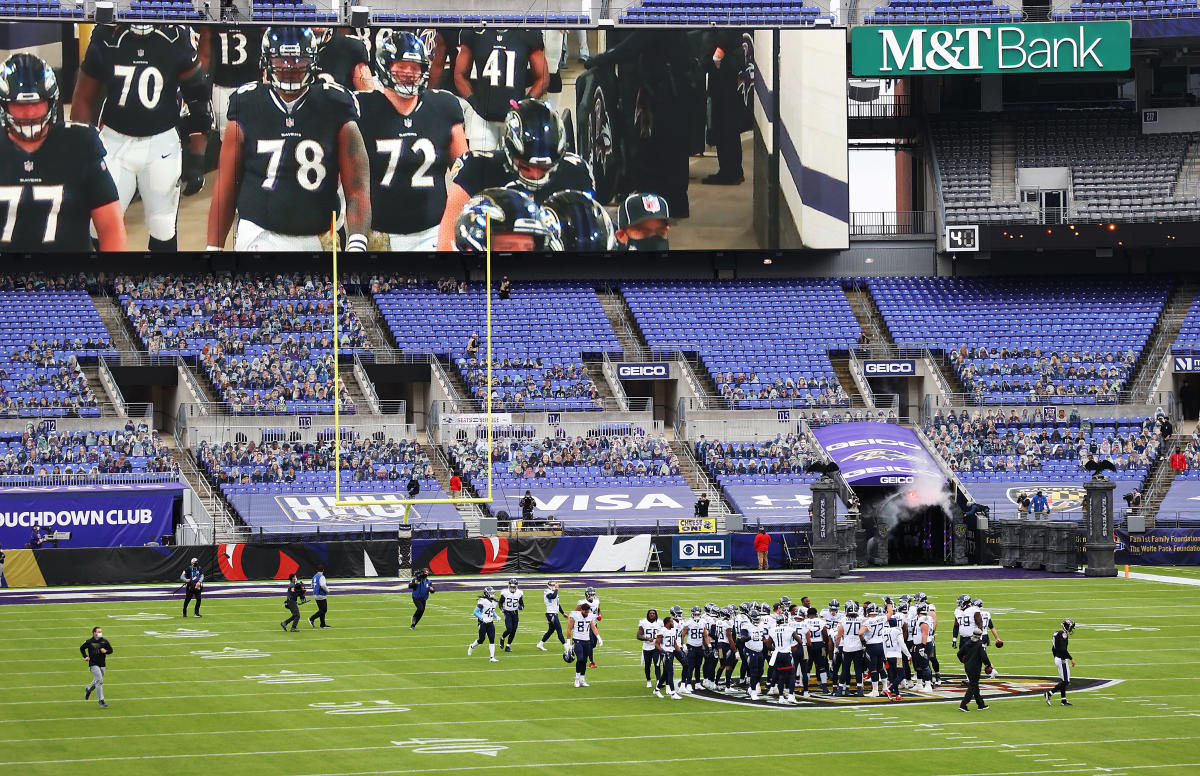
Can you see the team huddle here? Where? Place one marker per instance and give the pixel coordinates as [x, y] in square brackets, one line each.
[311, 126]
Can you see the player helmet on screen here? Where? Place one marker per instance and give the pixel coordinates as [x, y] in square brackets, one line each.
[510, 211]
[322, 35]
[1068, 625]
[289, 57]
[977, 602]
[534, 139]
[404, 47]
[141, 29]
[26, 79]
[583, 225]
[489, 593]
[676, 612]
[512, 584]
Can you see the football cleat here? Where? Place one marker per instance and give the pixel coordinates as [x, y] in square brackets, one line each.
[1047, 696]
[541, 645]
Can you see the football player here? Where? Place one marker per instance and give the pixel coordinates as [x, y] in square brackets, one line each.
[850, 638]
[1063, 662]
[583, 225]
[517, 223]
[494, 68]
[593, 601]
[413, 134]
[583, 632]
[512, 601]
[814, 637]
[906, 614]
[872, 632]
[922, 637]
[53, 178]
[142, 67]
[894, 651]
[667, 646]
[232, 55]
[989, 631]
[727, 646]
[647, 633]
[921, 598]
[343, 60]
[740, 618]
[553, 609]
[712, 618]
[752, 636]
[783, 637]
[485, 616]
[832, 619]
[695, 633]
[288, 144]
[534, 157]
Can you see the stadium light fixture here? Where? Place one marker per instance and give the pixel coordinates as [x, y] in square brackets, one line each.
[408, 503]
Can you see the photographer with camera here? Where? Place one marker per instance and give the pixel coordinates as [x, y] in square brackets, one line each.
[422, 587]
[1133, 499]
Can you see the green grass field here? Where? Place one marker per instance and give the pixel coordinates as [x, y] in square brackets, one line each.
[222, 703]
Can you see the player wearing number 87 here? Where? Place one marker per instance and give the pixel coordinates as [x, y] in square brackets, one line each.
[412, 135]
[142, 68]
[288, 144]
[53, 179]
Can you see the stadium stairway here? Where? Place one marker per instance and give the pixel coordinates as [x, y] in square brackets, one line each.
[841, 368]
[596, 372]
[373, 326]
[104, 400]
[200, 379]
[1188, 182]
[1004, 162]
[867, 314]
[357, 394]
[1162, 336]
[697, 478]
[226, 526]
[443, 470]
[120, 330]
[622, 320]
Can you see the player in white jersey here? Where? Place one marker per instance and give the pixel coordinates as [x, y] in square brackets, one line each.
[593, 601]
[894, 651]
[853, 662]
[832, 617]
[753, 635]
[872, 633]
[553, 609]
[667, 645]
[712, 614]
[647, 633]
[922, 637]
[485, 615]
[815, 638]
[989, 633]
[741, 618]
[695, 639]
[921, 598]
[783, 638]
[727, 646]
[968, 630]
[512, 603]
[583, 628]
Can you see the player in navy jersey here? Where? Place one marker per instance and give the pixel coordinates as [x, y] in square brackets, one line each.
[232, 55]
[142, 68]
[343, 60]
[534, 158]
[53, 178]
[493, 68]
[288, 144]
[412, 134]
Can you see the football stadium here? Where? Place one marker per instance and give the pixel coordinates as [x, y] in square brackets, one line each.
[452, 386]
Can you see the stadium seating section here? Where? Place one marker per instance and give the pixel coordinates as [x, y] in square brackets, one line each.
[44, 335]
[1187, 342]
[264, 342]
[780, 461]
[540, 337]
[942, 12]
[85, 456]
[737, 12]
[166, 10]
[389, 17]
[290, 11]
[41, 9]
[765, 343]
[1027, 341]
[993, 446]
[1124, 9]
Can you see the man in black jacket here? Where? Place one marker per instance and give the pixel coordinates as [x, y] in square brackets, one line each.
[527, 506]
[1062, 661]
[295, 592]
[96, 650]
[193, 578]
[701, 508]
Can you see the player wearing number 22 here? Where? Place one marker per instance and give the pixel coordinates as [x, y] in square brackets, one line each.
[287, 145]
[142, 68]
[412, 135]
[53, 178]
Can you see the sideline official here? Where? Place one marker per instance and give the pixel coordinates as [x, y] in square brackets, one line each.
[96, 651]
[193, 578]
[422, 587]
[320, 591]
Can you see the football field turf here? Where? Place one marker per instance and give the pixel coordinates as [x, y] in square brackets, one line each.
[232, 694]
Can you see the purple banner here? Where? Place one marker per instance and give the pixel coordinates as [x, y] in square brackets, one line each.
[878, 454]
[1160, 547]
[94, 515]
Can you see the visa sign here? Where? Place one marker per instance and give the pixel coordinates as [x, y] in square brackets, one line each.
[1053, 47]
[893, 368]
[658, 371]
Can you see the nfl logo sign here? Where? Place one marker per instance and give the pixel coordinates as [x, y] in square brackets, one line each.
[29, 165]
[650, 203]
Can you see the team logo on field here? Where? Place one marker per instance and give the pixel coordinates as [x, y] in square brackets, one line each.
[951, 690]
[1062, 498]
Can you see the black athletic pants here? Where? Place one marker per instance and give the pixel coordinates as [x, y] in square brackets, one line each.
[971, 653]
[192, 593]
[419, 603]
[294, 620]
[322, 607]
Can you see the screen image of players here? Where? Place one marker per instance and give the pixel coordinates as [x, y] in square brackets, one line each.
[140, 69]
[495, 67]
[54, 180]
[288, 145]
[343, 60]
[232, 56]
[412, 135]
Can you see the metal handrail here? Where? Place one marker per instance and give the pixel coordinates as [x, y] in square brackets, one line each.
[65, 480]
[614, 382]
[906, 223]
[110, 385]
[368, 387]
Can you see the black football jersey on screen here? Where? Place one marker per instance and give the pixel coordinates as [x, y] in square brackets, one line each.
[338, 59]
[409, 158]
[47, 197]
[499, 67]
[479, 170]
[141, 76]
[236, 55]
[290, 170]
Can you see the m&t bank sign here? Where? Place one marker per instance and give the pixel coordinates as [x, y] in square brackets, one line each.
[1054, 47]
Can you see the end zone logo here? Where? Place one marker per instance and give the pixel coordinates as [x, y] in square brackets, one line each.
[881, 368]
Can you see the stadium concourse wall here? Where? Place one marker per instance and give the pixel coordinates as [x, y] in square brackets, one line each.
[221, 562]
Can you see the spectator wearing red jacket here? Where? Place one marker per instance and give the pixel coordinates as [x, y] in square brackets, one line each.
[455, 486]
[1178, 461]
[762, 541]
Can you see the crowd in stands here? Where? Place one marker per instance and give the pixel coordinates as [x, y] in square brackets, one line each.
[1038, 374]
[784, 455]
[85, 453]
[598, 457]
[265, 341]
[518, 381]
[993, 441]
[740, 386]
[362, 460]
[45, 379]
[40, 281]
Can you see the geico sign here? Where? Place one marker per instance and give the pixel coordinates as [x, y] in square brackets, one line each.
[890, 367]
[643, 371]
[991, 48]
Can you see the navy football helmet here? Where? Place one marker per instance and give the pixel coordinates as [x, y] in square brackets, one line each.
[511, 211]
[404, 47]
[289, 57]
[26, 79]
[534, 136]
[582, 224]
